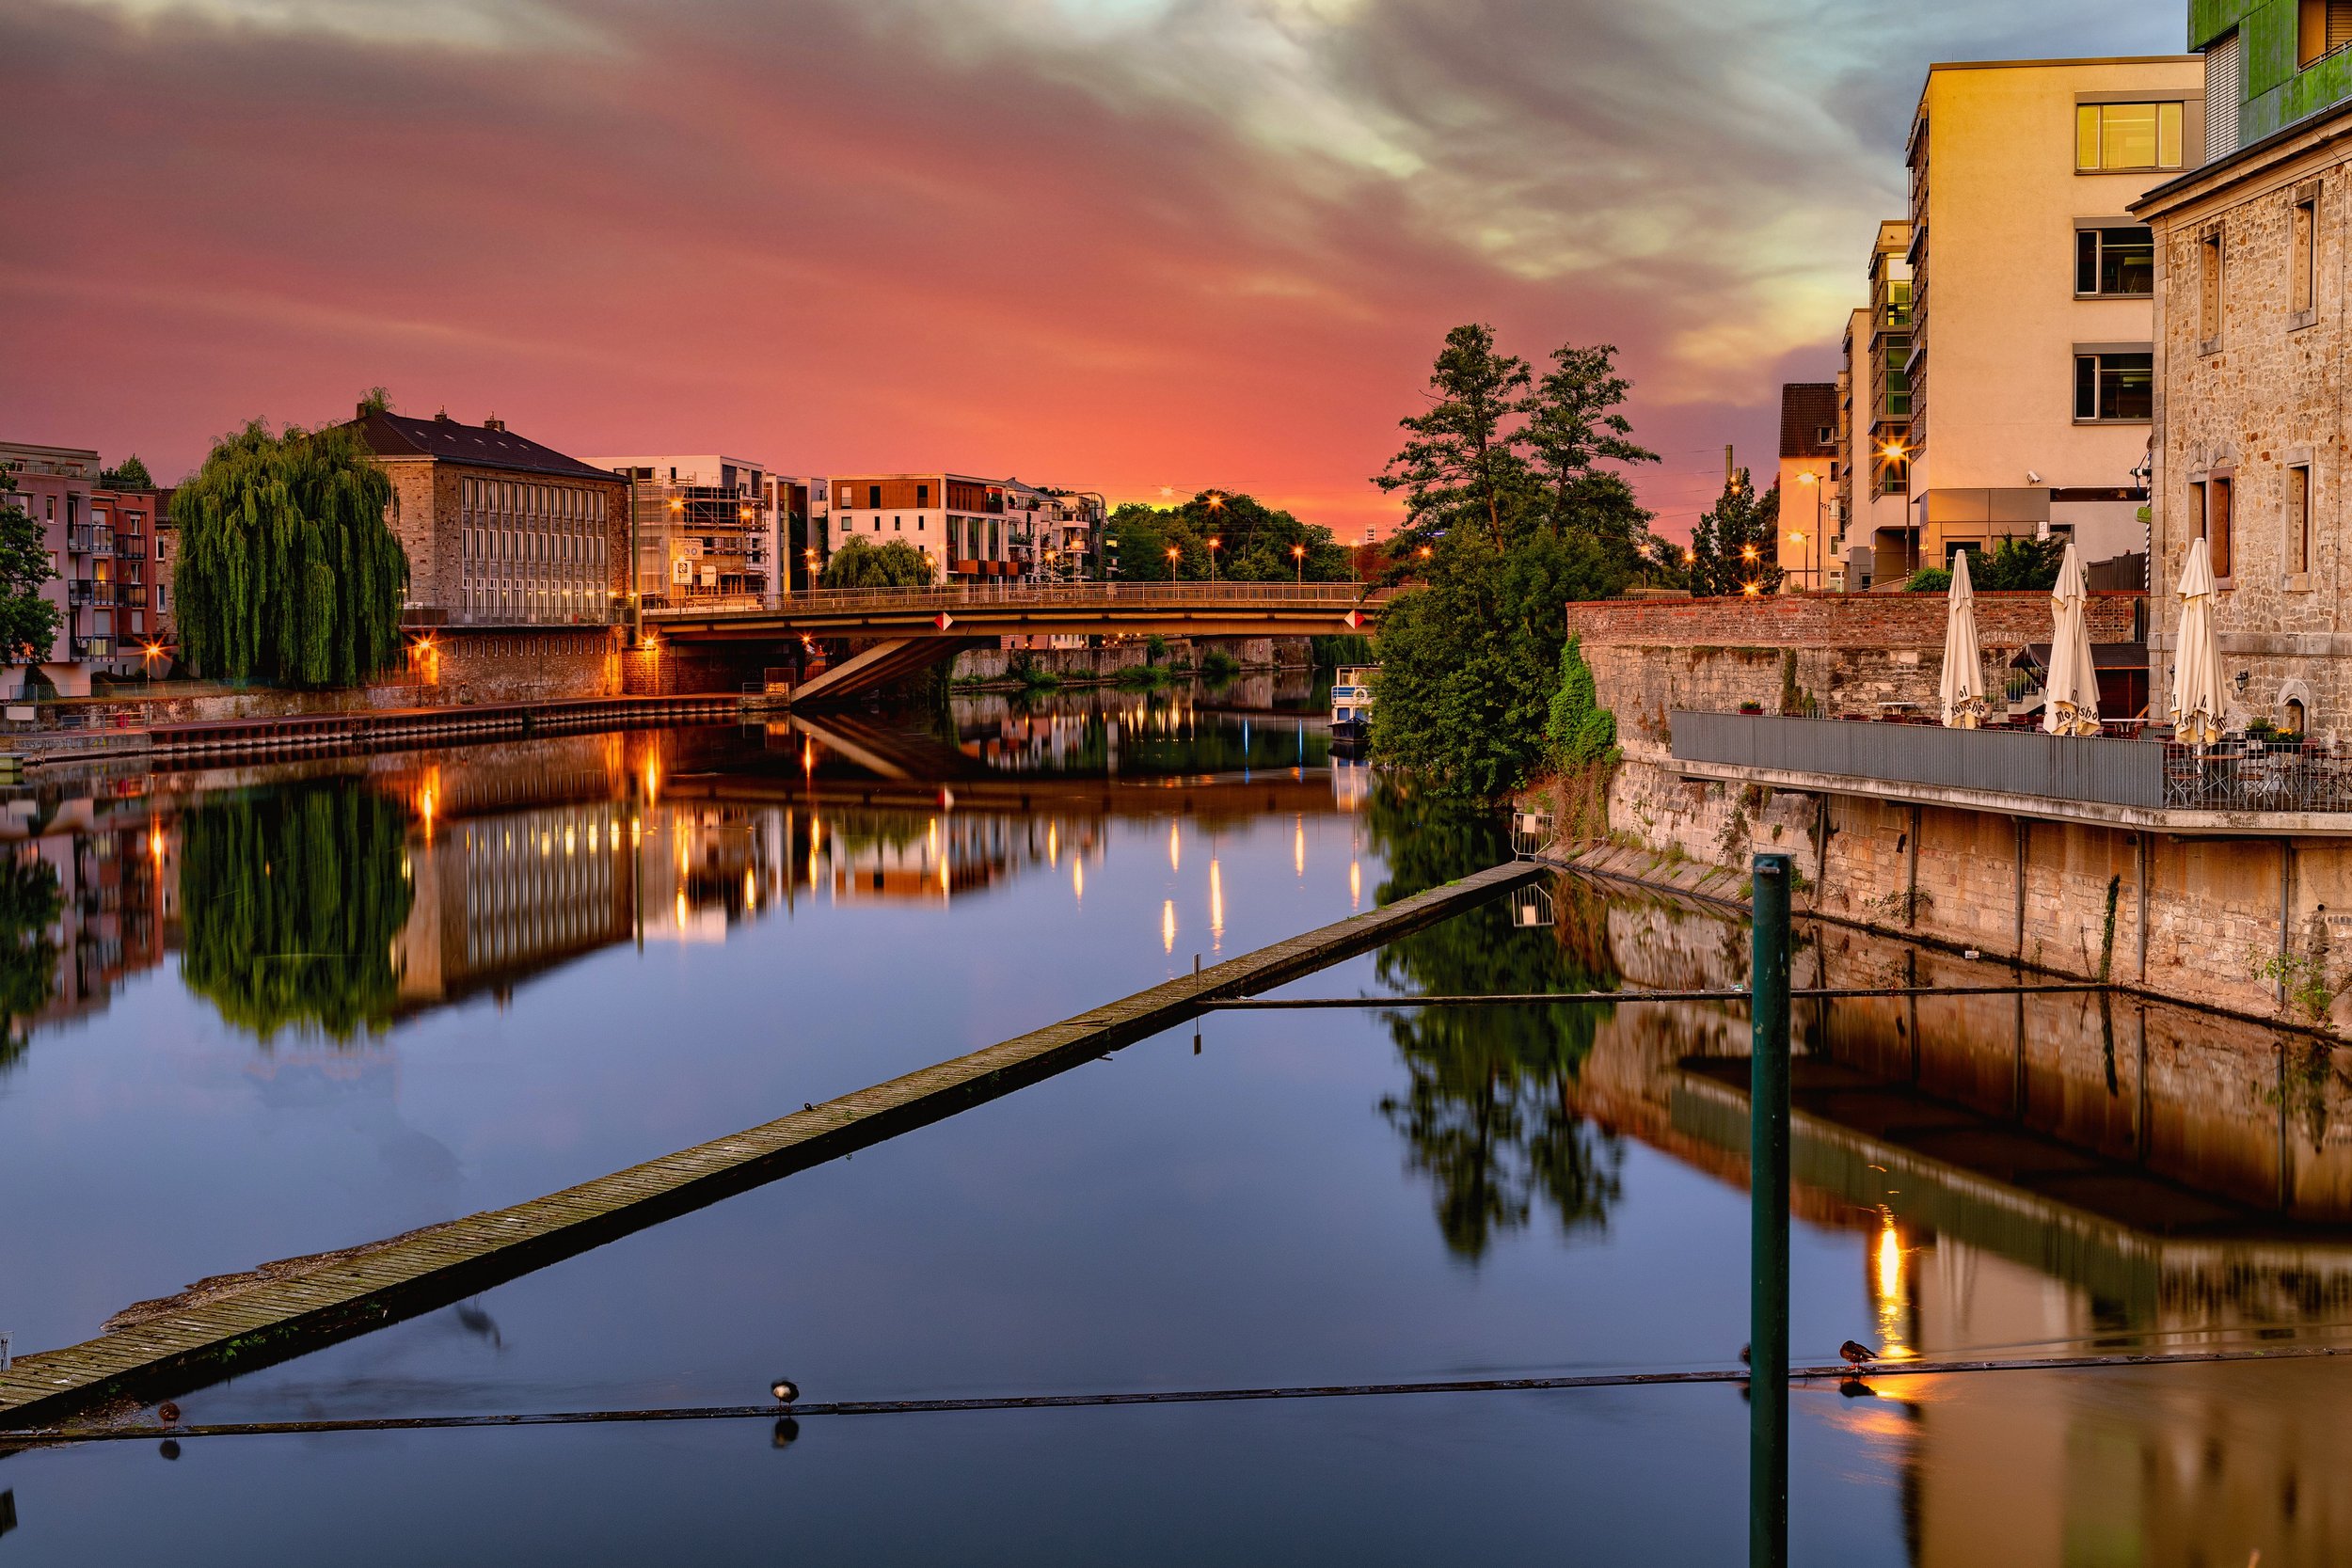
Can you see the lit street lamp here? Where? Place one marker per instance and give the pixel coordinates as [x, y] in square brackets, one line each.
[1214, 543]
[1299, 554]
[1172, 553]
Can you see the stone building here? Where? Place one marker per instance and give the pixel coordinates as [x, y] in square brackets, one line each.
[2249, 415]
[517, 559]
[499, 530]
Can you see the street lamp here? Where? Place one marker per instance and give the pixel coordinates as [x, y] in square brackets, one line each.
[1214, 543]
[1813, 480]
[1299, 554]
[1172, 553]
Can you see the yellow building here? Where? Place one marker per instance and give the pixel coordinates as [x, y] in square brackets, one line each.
[2029, 373]
[1875, 418]
[1808, 484]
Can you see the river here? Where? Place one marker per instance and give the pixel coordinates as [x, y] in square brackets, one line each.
[299, 1007]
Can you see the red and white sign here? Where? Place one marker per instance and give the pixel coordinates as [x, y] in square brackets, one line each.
[1352, 621]
[943, 620]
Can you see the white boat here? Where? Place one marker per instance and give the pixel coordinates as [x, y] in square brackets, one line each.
[1351, 703]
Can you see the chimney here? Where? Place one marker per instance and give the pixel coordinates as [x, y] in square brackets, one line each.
[492, 421]
[442, 417]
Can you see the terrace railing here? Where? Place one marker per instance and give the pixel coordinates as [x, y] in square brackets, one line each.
[2235, 776]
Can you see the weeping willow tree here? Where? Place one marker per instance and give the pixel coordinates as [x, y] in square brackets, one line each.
[296, 897]
[287, 571]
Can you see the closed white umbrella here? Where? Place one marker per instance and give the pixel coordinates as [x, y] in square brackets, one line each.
[2071, 705]
[1963, 660]
[2197, 656]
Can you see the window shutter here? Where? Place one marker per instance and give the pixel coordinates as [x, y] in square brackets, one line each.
[2225, 87]
[2339, 24]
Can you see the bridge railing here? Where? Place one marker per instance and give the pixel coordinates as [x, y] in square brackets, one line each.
[1335, 597]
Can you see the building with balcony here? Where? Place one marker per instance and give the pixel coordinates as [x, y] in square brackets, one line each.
[971, 527]
[57, 487]
[499, 530]
[1809, 466]
[1875, 418]
[707, 526]
[2250, 248]
[2029, 373]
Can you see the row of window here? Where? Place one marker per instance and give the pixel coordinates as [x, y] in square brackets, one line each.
[530, 547]
[517, 496]
[2213, 264]
[2212, 512]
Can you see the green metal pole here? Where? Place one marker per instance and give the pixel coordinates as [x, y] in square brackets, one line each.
[1768, 1185]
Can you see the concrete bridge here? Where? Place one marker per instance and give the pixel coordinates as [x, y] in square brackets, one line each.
[912, 628]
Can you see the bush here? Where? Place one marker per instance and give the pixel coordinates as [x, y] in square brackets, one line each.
[1580, 729]
[1218, 665]
[859, 565]
[1928, 580]
[1139, 676]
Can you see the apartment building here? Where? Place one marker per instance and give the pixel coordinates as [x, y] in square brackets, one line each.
[1874, 420]
[99, 541]
[499, 530]
[2030, 358]
[1808, 473]
[707, 526]
[2250, 251]
[971, 527]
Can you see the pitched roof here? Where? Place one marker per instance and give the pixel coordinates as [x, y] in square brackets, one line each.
[1806, 409]
[445, 440]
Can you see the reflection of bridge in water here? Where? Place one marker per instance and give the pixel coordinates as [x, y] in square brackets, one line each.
[909, 629]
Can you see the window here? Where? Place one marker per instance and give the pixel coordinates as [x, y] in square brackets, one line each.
[2214, 524]
[2113, 137]
[873, 497]
[2209, 289]
[898, 525]
[922, 495]
[2115, 261]
[2114, 386]
[2297, 715]
[2300, 519]
[2322, 27]
[2303, 257]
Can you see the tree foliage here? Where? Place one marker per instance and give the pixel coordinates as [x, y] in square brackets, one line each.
[1469, 663]
[2019, 566]
[1254, 542]
[130, 474]
[859, 565]
[302, 892]
[1511, 517]
[28, 623]
[288, 570]
[1735, 547]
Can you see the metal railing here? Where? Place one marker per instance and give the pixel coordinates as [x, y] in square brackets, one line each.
[2237, 775]
[1016, 593]
[605, 614]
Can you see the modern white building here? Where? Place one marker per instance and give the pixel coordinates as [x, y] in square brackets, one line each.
[971, 527]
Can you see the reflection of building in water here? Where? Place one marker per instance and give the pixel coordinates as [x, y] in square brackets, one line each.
[2053, 1179]
[500, 897]
[116, 872]
[705, 867]
[900, 855]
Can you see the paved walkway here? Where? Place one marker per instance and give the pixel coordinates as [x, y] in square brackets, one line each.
[281, 1318]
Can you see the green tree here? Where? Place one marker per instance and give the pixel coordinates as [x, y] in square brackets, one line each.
[1737, 543]
[287, 569]
[1468, 662]
[28, 623]
[2018, 566]
[1573, 422]
[302, 892]
[1254, 542]
[131, 474]
[859, 565]
[1461, 463]
[30, 904]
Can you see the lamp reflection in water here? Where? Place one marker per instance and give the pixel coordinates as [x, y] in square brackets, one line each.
[1216, 907]
[1168, 926]
[1887, 1296]
[1078, 879]
[1298, 848]
[1175, 860]
[1355, 885]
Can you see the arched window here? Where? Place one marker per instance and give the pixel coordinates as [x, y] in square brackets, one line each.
[2294, 716]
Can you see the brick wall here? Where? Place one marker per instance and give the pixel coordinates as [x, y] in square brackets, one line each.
[494, 666]
[1860, 621]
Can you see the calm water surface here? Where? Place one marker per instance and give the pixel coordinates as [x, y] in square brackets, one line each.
[418, 985]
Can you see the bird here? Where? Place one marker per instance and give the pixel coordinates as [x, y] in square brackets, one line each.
[167, 1413]
[1858, 1354]
[785, 1391]
[808, 1105]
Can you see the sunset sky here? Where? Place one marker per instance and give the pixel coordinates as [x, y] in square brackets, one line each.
[1115, 245]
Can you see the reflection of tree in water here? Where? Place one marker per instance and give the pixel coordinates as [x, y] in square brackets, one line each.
[293, 899]
[30, 904]
[1488, 1112]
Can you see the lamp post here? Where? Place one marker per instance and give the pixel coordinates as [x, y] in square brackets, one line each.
[1299, 555]
[1214, 543]
[1172, 553]
[1813, 481]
